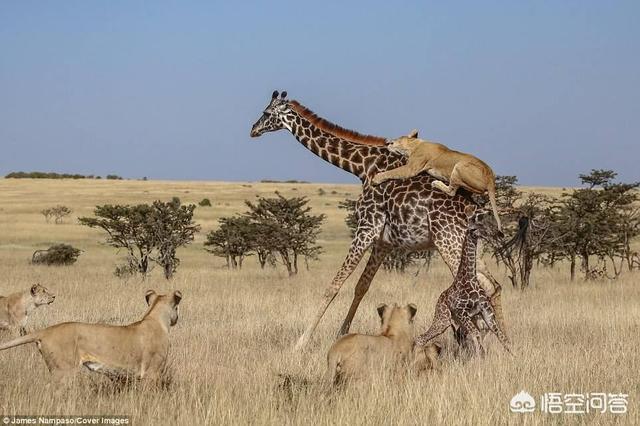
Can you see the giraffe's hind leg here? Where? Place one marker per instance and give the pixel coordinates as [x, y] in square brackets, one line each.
[471, 331]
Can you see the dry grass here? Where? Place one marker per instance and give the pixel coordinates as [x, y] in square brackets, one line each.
[231, 348]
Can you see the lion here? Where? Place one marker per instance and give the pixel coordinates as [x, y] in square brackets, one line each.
[137, 350]
[458, 168]
[353, 355]
[16, 307]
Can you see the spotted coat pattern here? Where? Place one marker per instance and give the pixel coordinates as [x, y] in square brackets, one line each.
[398, 213]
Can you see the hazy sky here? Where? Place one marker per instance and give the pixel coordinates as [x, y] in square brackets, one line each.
[543, 89]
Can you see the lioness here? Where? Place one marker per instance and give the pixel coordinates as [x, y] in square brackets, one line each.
[353, 355]
[139, 349]
[15, 308]
[460, 169]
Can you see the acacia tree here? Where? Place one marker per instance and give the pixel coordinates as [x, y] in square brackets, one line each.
[171, 226]
[599, 220]
[149, 233]
[530, 226]
[233, 240]
[285, 227]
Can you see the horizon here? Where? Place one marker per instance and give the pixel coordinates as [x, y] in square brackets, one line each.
[544, 92]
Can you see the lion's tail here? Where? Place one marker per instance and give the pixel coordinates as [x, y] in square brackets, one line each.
[23, 340]
[491, 190]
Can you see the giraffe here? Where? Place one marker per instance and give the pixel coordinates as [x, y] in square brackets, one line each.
[407, 214]
[465, 298]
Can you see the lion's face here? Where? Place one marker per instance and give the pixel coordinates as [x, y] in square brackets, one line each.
[41, 296]
[403, 144]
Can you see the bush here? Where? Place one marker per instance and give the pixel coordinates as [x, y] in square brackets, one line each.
[58, 212]
[114, 177]
[59, 254]
[205, 203]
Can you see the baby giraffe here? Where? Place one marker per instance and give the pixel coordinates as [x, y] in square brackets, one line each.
[465, 298]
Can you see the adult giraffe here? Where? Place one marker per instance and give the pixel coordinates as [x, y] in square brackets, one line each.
[407, 213]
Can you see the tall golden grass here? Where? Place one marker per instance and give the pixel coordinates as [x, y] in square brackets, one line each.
[231, 356]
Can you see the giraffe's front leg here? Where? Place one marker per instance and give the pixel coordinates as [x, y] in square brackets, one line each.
[489, 317]
[360, 243]
[379, 252]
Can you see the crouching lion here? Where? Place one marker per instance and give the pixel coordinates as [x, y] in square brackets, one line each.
[136, 350]
[16, 307]
[355, 355]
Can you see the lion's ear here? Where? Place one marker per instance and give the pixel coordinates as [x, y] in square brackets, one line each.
[381, 308]
[412, 310]
[34, 288]
[177, 296]
[413, 133]
[149, 296]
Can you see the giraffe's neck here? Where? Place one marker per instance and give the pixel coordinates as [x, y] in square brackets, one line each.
[467, 269]
[356, 158]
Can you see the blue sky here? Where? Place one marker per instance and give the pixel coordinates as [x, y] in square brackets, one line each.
[544, 90]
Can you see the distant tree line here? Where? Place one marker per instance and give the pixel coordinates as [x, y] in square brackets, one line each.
[275, 230]
[283, 181]
[53, 175]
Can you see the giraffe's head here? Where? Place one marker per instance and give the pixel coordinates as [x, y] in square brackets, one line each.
[272, 116]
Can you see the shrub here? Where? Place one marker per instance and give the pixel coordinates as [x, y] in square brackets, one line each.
[205, 203]
[59, 254]
[58, 212]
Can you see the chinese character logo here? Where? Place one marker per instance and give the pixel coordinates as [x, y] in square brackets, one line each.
[522, 402]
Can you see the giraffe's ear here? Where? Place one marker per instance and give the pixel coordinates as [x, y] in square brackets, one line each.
[274, 94]
[283, 95]
[413, 133]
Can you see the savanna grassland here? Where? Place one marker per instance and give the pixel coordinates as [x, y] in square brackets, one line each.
[231, 357]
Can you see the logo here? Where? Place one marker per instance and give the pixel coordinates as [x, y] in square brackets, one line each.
[522, 402]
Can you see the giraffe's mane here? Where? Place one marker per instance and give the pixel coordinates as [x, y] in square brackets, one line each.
[334, 129]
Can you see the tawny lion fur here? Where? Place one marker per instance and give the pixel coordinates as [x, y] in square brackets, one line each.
[16, 307]
[357, 355]
[458, 168]
[136, 350]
